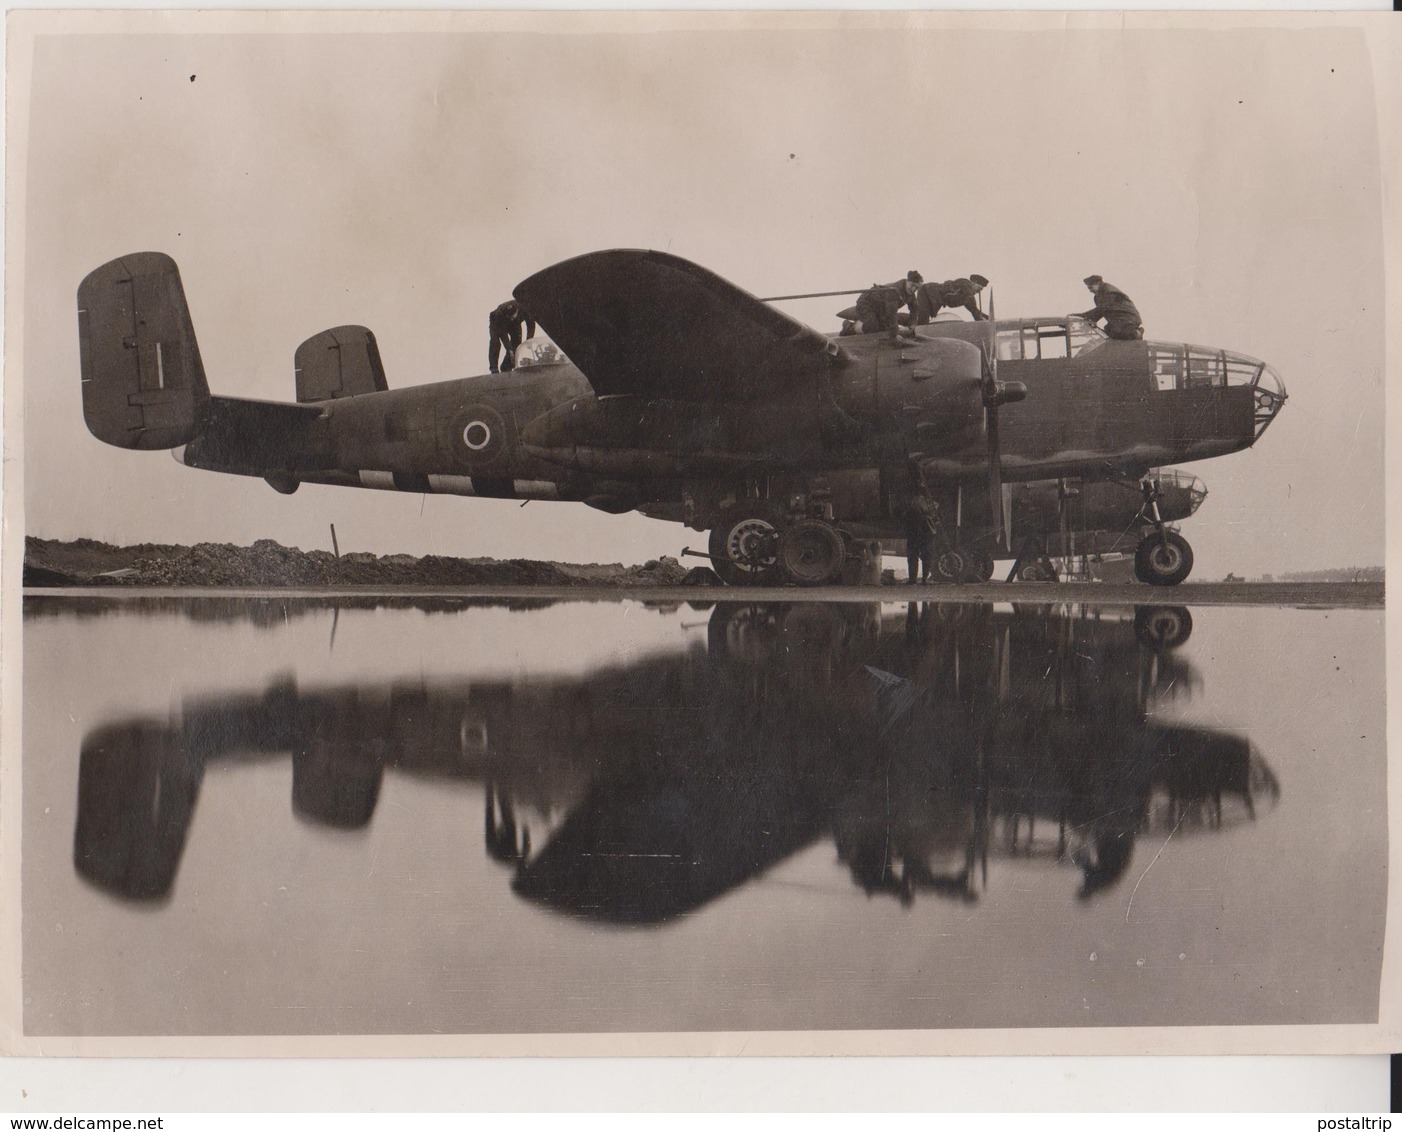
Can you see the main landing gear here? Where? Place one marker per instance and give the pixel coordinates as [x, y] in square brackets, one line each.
[754, 544]
[1163, 557]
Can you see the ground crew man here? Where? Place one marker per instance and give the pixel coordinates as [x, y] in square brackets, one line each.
[504, 325]
[935, 297]
[1115, 307]
[878, 308]
[922, 523]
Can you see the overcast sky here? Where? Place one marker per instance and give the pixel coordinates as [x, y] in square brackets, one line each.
[1227, 179]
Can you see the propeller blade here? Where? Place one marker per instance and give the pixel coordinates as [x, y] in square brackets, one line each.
[995, 394]
[991, 400]
[995, 476]
[1008, 515]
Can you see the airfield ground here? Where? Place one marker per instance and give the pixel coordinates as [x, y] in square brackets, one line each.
[1322, 595]
[207, 570]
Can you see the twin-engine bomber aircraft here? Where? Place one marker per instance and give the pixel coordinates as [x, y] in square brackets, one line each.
[688, 399]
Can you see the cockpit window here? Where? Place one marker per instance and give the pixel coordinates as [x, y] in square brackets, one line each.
[1051, 340]
[1188, 367]
[1047, 339]
[1200, 367]
[1044, 340]
[1084, 336]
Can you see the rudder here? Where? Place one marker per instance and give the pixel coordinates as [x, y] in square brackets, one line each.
[143, 381]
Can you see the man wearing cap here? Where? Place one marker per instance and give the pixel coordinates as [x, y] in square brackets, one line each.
[504, 326]
[932, 298]
[878, 308]
[1115, 307]
[922, 525]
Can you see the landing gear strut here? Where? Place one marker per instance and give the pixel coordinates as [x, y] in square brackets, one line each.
[1163, 557]
[1032, 564]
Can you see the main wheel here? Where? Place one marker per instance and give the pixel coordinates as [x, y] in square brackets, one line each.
[949, 566]
[1163, 627]
[1163, 560]
[1036, 571]
[746, 634]
[978, 565]
[811, 552]
[744, 545]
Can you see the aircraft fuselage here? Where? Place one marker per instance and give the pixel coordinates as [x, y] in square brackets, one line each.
[1096, 416]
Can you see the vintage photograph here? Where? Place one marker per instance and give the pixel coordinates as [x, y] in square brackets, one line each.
[856, 531]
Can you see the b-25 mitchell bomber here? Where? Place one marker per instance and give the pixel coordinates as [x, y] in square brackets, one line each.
[680, 396]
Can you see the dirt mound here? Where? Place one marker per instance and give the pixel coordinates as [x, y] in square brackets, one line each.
[85, 562]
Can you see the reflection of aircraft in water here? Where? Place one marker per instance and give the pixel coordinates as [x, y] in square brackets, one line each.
[921, 742]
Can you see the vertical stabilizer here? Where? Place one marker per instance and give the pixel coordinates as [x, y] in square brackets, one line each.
[143, 381]
[341, 362]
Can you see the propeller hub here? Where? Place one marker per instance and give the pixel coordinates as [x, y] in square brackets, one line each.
[1003, 393]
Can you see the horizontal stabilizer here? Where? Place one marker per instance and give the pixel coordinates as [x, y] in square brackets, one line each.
[143, 381]
[341, 362]
[255, 438]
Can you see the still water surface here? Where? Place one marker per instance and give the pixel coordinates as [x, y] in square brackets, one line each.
[303, 816]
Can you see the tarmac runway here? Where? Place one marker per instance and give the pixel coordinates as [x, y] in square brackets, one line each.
[1360, 595]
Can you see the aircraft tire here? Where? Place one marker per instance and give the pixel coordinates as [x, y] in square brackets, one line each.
[811, 552]
[950, 566]
[1163, 627]
[1163, 565]
[978, 566]
[746, 634]
[744, 545]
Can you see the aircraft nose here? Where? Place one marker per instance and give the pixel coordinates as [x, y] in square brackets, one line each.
[1268, 397]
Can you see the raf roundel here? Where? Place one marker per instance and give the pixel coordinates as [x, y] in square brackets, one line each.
[479, 436]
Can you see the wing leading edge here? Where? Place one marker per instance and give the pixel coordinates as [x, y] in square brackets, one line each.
[652, 324]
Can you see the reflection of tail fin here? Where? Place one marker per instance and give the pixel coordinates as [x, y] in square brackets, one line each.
[137, 785]
[143, 381]
[336, 781]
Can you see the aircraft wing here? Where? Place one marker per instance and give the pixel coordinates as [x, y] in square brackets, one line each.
[649, 323]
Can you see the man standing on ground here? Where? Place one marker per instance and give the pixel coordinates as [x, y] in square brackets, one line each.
[922, 521]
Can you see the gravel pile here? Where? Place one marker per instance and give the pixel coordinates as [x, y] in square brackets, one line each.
[267, 563]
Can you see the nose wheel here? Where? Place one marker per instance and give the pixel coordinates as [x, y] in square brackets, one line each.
[1163, 627]
[1164, 558]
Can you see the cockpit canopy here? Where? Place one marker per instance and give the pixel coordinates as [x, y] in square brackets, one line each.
[539, 352]
[1033, 338]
